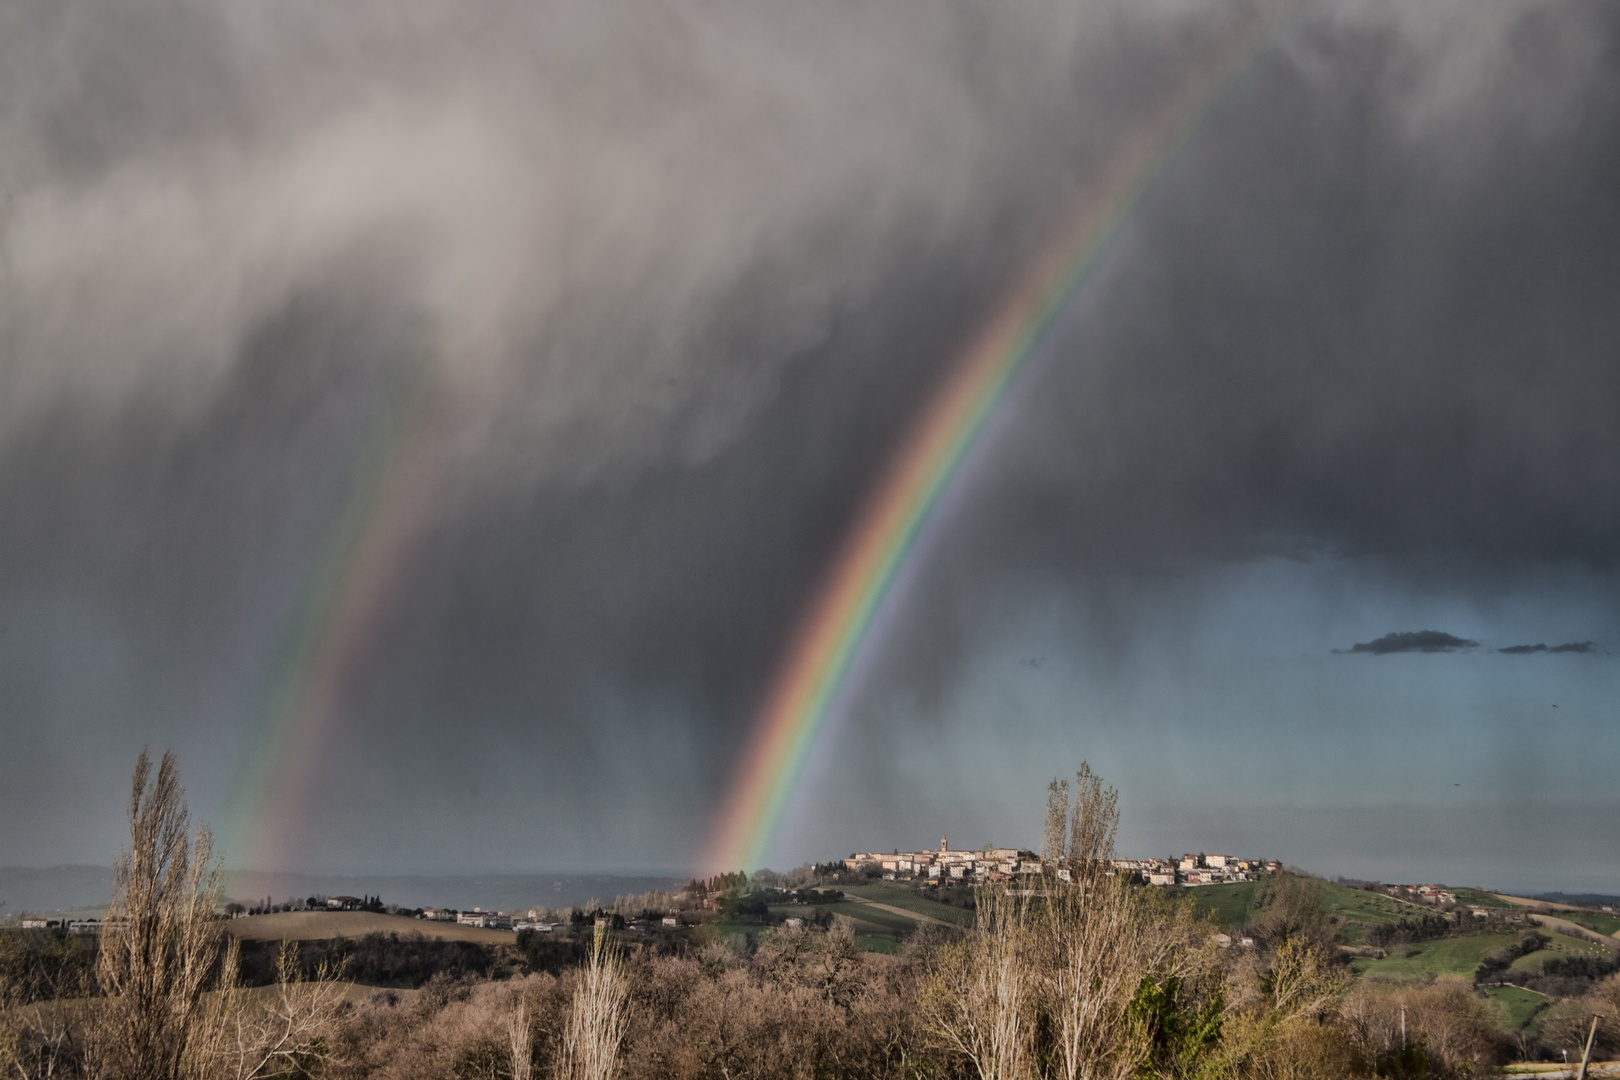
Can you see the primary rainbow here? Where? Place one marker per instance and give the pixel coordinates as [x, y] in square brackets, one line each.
[841, 617]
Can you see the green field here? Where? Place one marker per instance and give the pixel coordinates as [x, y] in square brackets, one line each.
[1232, 903]
[1448, 956]
[1359, 905]
[1600, 921]
[869, 943]
[1560, 945]
[1479, 898]
[910, 901]
[1522, 1006]
[881, 922]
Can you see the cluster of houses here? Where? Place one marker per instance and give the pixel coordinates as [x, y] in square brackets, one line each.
[947, 863]
[1003, 864]
[77, 927]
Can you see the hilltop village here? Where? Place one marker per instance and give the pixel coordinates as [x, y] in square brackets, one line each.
[1008, 864]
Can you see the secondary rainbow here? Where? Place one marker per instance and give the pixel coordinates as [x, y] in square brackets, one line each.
[366, 547]
[841, 617]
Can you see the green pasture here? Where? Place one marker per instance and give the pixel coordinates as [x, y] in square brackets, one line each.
[1448, 956]
[872, 943]
[1232, 903]
[1359, 905]
[910, 901]
[1560, 945]
[1600, 921]
[1480, 898]
[879, 921]
[1520, 1005]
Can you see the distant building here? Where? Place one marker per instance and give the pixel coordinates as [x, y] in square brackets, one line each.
[434, 914]
[342, 903]
[34, 924]
[793, 922]
[671, 921]
[489, 920]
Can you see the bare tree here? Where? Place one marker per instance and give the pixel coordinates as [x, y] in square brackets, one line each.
[596, 1018]
[1092, 934]
[978, 1002]
[160, 945]
[521, 1040]
[285, 1032]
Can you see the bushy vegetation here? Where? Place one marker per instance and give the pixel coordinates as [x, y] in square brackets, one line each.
[1082, 974]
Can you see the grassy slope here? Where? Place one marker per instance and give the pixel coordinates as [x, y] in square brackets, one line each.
[908, 899]
[880, 922]
[1600, 921]
[1560, 945]
[1360, 905]
[1477, 898]
[1448, 956]
[1521, 1005]
[1233, 904]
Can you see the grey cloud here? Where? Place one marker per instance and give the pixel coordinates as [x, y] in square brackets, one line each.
[1581, 647]
[1420, 641]
[687, 274]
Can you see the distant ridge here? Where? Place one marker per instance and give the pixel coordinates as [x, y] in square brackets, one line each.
[54, 888]
[495, 891]
[88, 888]
[1582, 899]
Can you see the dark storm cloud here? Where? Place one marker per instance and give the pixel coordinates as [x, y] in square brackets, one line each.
[1408, 641]
[1581, 647]
[687, 273]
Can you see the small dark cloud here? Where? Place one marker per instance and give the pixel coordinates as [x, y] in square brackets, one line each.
[1582, 647]
[1427, 641]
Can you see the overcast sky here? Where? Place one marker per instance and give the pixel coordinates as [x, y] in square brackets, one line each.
[670, 281]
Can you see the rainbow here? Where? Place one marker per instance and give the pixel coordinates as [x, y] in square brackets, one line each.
[840, 620]
[361, 558]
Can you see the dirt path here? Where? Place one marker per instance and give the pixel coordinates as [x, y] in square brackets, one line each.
[892, 910]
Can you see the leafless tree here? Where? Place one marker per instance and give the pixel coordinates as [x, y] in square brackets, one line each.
[978, 1002]
[596, 1017]
[284, 1032]
[160, 945]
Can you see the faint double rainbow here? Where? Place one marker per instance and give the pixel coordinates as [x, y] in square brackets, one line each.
[840, 621]
[390, 487]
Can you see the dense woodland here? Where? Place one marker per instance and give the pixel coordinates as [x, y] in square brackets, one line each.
[1094, 977]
